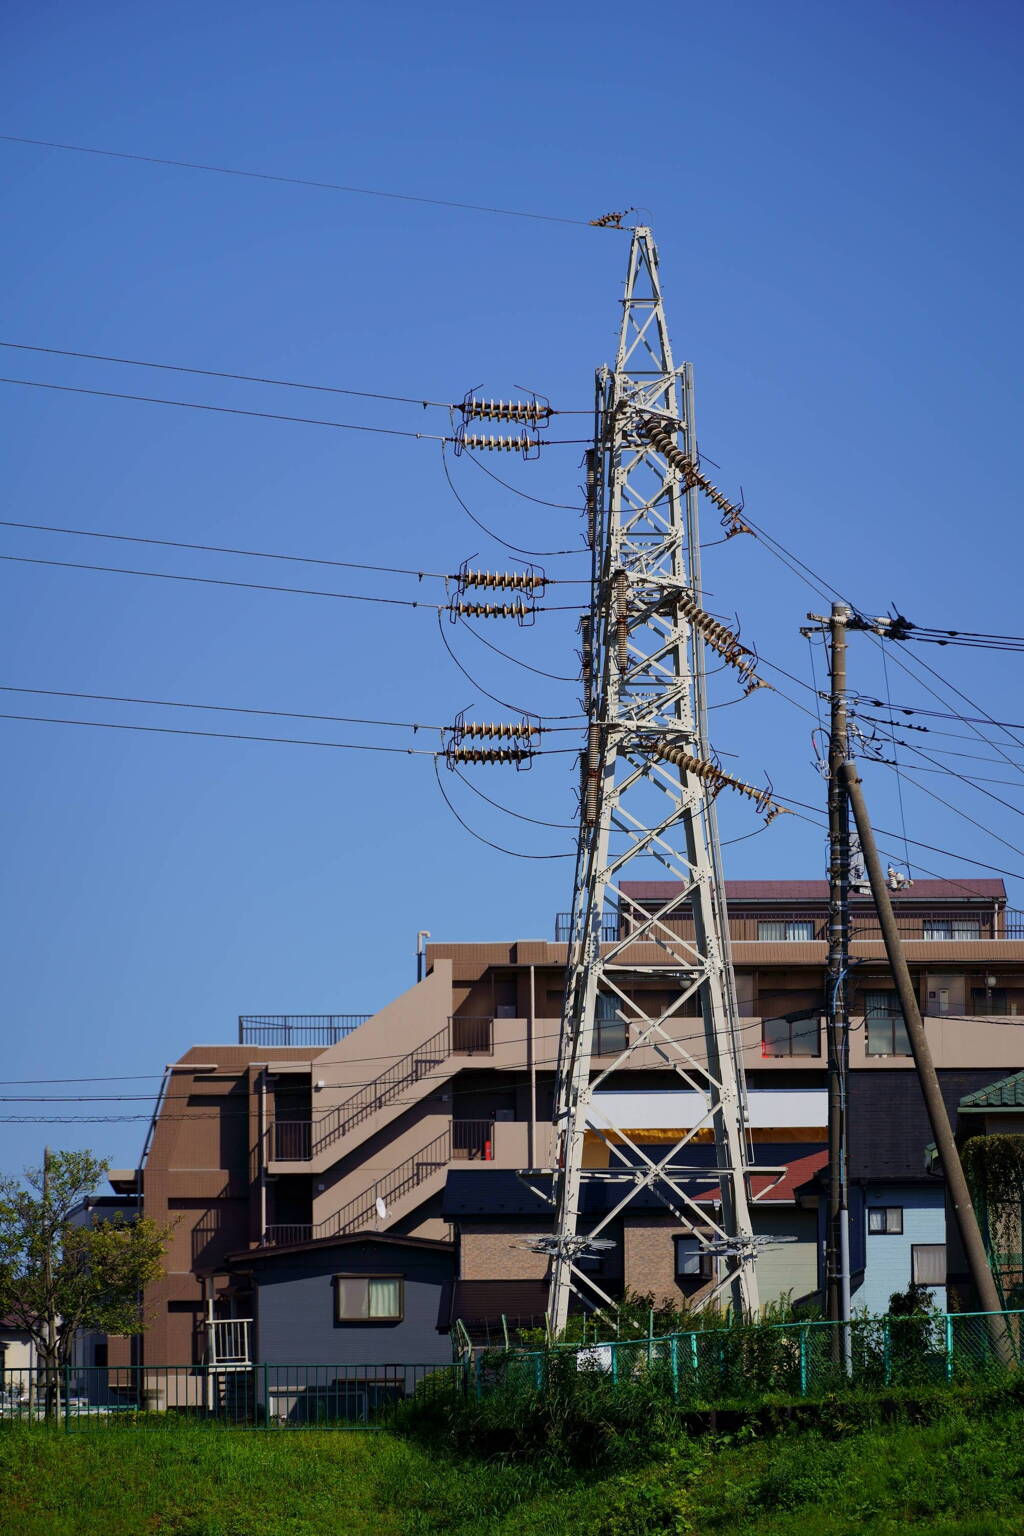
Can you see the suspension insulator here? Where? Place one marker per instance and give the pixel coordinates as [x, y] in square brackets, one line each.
[592, 787]
[523, 581]
[620, 596]
[492, 610]
[591, 461]
[523, 444]
[716, 780]
[722, 640]
[505, 410]
[489, 755]
[660, 438]
[516, 730]
[587, 660]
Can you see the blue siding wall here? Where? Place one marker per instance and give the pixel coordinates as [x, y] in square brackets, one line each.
[295, 1307]
[887, 1266]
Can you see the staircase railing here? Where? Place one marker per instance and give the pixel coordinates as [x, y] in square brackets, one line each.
[408, 1176]
[408, 1069]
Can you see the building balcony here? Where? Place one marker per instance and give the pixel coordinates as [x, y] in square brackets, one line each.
[229, 1341]
[316, 1030]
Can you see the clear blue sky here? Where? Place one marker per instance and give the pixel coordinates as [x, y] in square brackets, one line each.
[835, 191]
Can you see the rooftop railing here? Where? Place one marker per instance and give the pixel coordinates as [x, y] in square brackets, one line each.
[312, 1029]
[609, 927]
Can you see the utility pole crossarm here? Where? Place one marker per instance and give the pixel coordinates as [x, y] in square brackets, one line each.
[647, 793]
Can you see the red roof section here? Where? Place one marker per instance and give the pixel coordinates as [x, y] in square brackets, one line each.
[797, 1173]
[817, 890]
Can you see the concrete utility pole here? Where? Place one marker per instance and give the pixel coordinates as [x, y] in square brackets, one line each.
[648, 787]
[837, 1247]
[949, 1157]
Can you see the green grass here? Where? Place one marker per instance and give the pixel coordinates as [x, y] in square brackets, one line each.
[962, 1475]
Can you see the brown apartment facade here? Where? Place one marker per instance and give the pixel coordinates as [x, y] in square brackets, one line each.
[307, 1129]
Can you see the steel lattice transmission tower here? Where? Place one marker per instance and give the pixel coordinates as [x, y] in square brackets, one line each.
[647, 793]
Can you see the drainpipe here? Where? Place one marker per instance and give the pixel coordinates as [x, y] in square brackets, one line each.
[424, 933]
[263, 1155]
[531, 1062]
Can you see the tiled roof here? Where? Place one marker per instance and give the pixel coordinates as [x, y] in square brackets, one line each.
[1008, 1093]
[817, 890]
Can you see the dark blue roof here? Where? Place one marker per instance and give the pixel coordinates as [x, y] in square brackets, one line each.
[501, 1192]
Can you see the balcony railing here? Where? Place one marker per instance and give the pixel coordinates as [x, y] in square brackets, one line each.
[291, 1140]
[609, 927]
[369, 1210]
[312, 1029]
[228, 1341]
[288, 1232]
[473, 1140]
[471, 1036]
[797, 927]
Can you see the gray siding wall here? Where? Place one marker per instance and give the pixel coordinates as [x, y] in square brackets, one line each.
[295, 1308]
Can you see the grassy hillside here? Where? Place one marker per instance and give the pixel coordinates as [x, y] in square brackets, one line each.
[960, 1476]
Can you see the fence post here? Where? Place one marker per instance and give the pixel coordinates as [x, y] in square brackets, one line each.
[886, 1351]
[674, 1357]
[694, 1358]
[803, 1360]
[67, 1398]
[266, 1395]
[538, 1371]
[949, 1347]
[615, 1362]
[476, 1377]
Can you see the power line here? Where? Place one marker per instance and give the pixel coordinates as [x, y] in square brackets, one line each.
[512, 852]
[223, 581]
[168, 730]
[227, 549]
[245, 378]
[291, 741]
[516, 708]
[234, 410]
[231, 709]
[239, 709]
[224, 410]
[302, 181]
[555, 677]
[539, 554]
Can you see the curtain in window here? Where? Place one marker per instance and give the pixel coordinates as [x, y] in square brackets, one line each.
[383, 1297]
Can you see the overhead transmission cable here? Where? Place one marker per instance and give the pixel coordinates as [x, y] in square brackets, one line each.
[234, 410]
[305, 181]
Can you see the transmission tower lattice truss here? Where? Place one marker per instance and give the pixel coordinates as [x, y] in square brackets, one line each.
[641, 801]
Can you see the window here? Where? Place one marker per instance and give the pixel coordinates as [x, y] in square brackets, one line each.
[952, 928]
[693, 1262]
[928, 1263]
[368, 1298]
[788, 930]
[886, 1030]
[101, 1355]
[792, 1035]
[885, 1218]
[610, 1034]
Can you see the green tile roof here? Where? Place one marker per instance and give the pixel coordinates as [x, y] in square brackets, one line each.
[1008, 1093]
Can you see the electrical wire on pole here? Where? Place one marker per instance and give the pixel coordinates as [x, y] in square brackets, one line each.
[647, 793]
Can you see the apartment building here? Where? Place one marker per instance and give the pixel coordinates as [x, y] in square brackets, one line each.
[305, 1130]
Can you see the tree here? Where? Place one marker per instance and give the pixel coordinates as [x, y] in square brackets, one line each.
[60, 1273]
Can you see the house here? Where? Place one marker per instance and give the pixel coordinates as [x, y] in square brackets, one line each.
[308, 1128]
[997, 1109]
